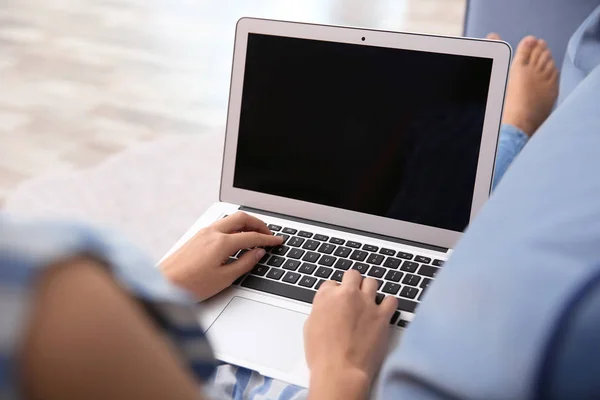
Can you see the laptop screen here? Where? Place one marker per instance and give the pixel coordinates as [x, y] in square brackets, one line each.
[388, 132]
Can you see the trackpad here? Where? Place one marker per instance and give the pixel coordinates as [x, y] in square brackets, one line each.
[260, 333]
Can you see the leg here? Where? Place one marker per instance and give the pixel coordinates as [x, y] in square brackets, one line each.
[530, 95]
[96, 342]
[583, 54]
[502, 295]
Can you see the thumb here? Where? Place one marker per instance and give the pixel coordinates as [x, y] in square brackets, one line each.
[245, 263]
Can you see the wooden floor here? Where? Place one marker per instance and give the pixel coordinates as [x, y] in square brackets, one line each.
[83, 79]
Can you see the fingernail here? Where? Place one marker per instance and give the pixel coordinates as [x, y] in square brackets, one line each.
[260, 253]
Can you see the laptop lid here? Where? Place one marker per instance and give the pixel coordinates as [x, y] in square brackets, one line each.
[384, 132]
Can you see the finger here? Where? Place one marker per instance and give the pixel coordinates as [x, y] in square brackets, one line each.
[243, 265]
[239, 222]
[369, 286]
[248, 240]
[327, 285]
[388, 306]
[352, 278]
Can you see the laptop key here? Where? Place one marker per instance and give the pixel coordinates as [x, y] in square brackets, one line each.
[342, 251]
[409, 292]
[311, 245]
[403, 304]
[291, 277]
[264, 259]
[324, 272]
[424, 260]
[361, 267]
[425, 283]
[337, 275]
[379, 298]
[394, 276]
[320, 283]
[375, 259]
[326, 248]
[369, 247]
[403, 323]
[412, 280]
[395, 317]
[376, 272]
[285, 237]
[337, 241]
[305, 234]
[406, 256]
[391, 288]
[307, 281]
[311, 257]
[307, 268]
[438, 263]
[273, 227]
[391, 262]
[241, 278]
[275, 273]
[290, 231]
[295, 241]
[327, 260]
[280, 250]
[387, 252]
[358, 255]
[322, 238]
[379, 283]
[409, 266]
[291, 265]
[343, 264]
[279, 289]
[275, 261]
[354, 245]
[427, 270]
[296, 253]
[259, 270]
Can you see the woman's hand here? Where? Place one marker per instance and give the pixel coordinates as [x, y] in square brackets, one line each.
[346, 336]
[200, 264]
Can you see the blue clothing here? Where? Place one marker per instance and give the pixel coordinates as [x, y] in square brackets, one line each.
[510, 143]
[27, 249]
[516, 316]
[515, 313]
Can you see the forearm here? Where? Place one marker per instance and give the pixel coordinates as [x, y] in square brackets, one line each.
[339, 384]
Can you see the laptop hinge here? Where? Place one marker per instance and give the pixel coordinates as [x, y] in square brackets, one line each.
[347, 230]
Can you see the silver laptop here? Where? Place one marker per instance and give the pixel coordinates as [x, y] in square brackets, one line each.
[366, 149]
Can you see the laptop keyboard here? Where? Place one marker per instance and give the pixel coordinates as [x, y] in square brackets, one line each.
[298, 267]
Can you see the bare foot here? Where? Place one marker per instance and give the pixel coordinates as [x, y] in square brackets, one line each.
[532, 85]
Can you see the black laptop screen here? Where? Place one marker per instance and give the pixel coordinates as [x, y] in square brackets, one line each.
[387, 132]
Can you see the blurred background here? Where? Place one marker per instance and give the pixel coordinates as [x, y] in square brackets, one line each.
[81, 80]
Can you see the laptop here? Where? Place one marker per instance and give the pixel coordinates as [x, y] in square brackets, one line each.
[365, 149]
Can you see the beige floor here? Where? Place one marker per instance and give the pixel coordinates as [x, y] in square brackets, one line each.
[83, 79]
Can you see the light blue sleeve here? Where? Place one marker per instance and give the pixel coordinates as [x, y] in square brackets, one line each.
[515, 312]
[510, 143]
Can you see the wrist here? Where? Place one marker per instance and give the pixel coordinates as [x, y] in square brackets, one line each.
[339, 383]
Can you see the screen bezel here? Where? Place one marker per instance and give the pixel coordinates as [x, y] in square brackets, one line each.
[499, 52]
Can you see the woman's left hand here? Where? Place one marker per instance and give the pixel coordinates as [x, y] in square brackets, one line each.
[200, 264]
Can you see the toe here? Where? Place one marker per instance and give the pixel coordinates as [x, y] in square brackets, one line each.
[524, 49]
[549, 69]
[537, 52]
[493, 36]
[544, 59]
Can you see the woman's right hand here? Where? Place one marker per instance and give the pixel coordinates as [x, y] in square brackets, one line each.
[346, 337]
